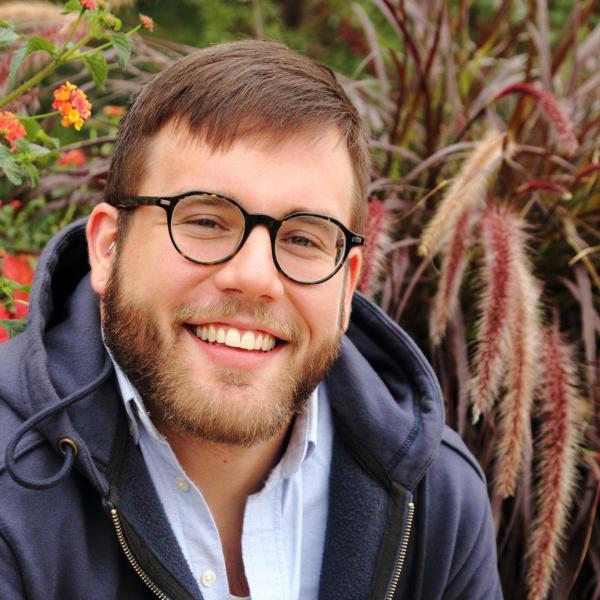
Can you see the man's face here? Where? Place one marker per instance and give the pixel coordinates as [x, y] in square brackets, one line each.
[157, 305]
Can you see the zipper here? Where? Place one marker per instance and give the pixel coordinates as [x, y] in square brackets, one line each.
[116, 520]
[402, 554]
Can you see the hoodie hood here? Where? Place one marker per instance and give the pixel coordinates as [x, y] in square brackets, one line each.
[392, 413]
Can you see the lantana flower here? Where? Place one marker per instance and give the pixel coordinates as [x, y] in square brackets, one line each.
[113, 111]
[147, 22]
[11, 129]
[75, 157]
[72, 104]
[89, 4]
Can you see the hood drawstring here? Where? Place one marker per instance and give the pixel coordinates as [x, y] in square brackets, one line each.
[66, 445]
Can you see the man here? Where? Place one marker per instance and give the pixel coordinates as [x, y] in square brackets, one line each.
[184, 416]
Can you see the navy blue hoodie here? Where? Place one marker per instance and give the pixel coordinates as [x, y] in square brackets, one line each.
[408, 512]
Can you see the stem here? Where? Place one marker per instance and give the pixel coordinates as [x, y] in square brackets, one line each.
[106, 45]
[50, 68]
[43, 116]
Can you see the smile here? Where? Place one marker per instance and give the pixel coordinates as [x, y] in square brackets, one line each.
[236, 338]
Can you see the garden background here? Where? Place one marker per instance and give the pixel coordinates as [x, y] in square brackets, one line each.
[484, 208]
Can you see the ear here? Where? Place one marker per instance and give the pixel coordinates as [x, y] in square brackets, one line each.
[101, 233]
[351, 281]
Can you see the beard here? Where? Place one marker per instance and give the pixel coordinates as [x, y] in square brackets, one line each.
[229, 406]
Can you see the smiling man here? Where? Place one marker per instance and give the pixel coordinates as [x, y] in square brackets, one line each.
[201, 406]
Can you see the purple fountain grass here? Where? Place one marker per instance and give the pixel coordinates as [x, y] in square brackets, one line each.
[377, 226]
[467, 192]
[522, 358]
[453, 267]
[561, 416]
[500, 234]
[551, 111]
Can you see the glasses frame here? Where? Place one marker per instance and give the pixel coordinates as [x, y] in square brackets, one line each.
[251, 220]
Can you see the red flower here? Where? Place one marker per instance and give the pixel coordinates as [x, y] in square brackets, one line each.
[113, 111]
[11, 129]
[4, 316]
[147, 22]
[74, 157]
[88, 4]
[72, 104]
[19, 270]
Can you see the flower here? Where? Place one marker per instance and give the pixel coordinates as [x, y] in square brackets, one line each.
[147, 22]
[18, 269]
[72, 104]
[88, 4]
[11, 129]
[74, 157]
[113, 111]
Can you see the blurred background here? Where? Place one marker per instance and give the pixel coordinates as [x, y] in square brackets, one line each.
[483, 219]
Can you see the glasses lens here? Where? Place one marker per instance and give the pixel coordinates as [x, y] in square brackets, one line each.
[309, 248]
[206, 227]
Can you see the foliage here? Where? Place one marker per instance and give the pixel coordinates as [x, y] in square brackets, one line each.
[486, 133]
[484, 207]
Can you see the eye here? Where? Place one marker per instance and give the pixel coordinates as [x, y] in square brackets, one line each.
[206, 222]
[301, 240]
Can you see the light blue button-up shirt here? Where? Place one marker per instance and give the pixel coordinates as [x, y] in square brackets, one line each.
[284, 523]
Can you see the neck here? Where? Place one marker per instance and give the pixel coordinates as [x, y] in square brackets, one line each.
[225, 473]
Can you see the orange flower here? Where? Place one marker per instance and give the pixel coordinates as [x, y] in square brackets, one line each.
[113, 111]
[4, 316]
[147, 22]
[11, 129]
[72, 104]
[74, 157]
[19, 270]
[89, 4]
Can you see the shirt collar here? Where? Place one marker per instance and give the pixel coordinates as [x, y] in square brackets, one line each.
[301, 445]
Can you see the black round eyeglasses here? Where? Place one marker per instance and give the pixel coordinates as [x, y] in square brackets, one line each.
[209, 229]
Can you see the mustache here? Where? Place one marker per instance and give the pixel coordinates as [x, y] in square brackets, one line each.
[230, 306]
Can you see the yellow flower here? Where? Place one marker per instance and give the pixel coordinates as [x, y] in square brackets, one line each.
[72, 104]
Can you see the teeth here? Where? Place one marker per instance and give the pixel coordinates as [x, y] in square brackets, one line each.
[230, 336]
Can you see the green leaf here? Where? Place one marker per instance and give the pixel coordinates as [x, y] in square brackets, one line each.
[7, 37]
[71, 6]
[35, 44]
[10, 167]
[96, 63]
[13, 326]
[26, 147]
[17, 60]
[122, 44]
[32, 126]
[31, 172]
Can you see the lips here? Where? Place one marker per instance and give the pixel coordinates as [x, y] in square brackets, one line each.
[246, 339]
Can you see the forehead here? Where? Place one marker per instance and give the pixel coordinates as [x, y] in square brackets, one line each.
[308, 170]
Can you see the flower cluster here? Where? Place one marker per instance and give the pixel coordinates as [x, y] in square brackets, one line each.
[11, 129]
[72, 104]
[88, 4]
[17, 269]
[147, 22]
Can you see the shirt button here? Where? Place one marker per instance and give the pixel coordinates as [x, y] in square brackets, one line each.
[182, 484]
[208, 578]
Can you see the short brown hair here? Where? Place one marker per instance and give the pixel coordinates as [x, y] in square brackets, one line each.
[228, 91]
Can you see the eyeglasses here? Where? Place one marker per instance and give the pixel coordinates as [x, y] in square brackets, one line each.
[209, 229]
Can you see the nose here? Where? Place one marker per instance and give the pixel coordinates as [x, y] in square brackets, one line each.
[251, 273]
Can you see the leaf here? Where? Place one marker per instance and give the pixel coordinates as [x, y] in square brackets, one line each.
[7, 37]
[96, 63]
[71, 6]
[17, 60]
[31, 172]
[122, 45]
[35, 44]
[31, 126]
[13, 326]
[24, 146]
[10, 167]
[40, 44]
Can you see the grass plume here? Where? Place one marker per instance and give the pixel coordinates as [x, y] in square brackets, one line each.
[467, 192]
[560, 412]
